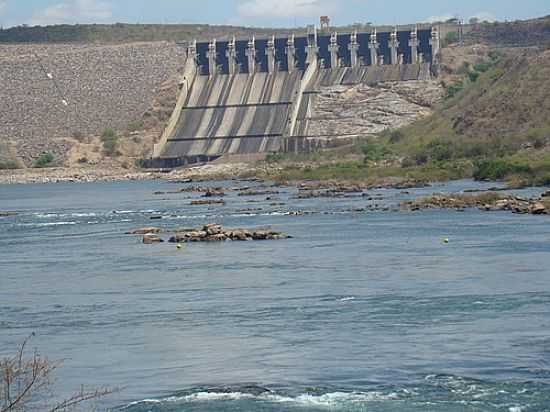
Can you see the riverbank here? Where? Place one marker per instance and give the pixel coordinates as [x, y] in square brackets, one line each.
[207, 172]
[118, 174]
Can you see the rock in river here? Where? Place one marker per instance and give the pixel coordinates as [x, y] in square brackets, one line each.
[207, 202]
[215, 233]
[150, 239]
[145, 231]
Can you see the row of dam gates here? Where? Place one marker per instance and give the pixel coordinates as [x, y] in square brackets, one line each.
[243, 97]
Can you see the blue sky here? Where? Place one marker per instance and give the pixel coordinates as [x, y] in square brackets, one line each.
[274, 13]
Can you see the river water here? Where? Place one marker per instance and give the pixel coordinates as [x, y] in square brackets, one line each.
[359, 311]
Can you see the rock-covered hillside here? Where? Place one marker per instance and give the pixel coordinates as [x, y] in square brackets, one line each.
[57, 95]
[362, 110]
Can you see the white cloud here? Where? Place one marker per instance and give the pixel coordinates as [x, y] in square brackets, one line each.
[285, 8]
[74, 11]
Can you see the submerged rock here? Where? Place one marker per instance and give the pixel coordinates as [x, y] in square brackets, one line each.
[145, 231]
[7, 214]
[207, 202]
[214, 192]
[258, 192]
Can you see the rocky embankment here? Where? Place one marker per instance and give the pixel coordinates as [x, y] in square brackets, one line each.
[489, 202]
[362, 110]
[99, 87]
[105, 172]
[74, 175]
[208, 233]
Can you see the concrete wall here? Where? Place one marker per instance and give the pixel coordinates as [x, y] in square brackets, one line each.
[234, 114]
[322, 42]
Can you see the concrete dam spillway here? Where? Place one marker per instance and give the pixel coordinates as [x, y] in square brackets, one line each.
[242, 97]
[234, 114]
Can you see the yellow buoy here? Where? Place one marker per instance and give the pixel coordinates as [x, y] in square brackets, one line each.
[179, 246]
[446, 240]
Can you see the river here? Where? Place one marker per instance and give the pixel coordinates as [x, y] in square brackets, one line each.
[360, 311]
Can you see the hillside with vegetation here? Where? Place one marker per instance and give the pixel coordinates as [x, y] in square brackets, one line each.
[493, 122]
[125, 33]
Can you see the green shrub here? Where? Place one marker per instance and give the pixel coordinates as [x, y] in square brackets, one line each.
[375, 151]
[44, 160]
[408, 162]
[274, 157]
[396, 136]
[496, 73]
[8, 164]
[135, 126]
[473, 150]
[451, 37]
[140, 163]
[110, 142]
[108, 134]
[454, 89]
[482, 67]
[473, 76]
[420, 158]
[440, 150]
[498, 169]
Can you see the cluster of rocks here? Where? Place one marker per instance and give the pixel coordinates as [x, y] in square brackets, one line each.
[208, 233]
[202, 202]
[102, 85]
[312, 190]
[519, 205]
[253, 192]
[489, 201]
[214, 192]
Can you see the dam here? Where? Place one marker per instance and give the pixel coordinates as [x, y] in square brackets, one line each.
[250, 96]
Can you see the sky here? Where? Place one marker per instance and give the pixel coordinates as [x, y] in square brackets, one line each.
[262, 13]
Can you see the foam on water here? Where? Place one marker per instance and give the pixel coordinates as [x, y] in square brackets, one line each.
[62, 215]
[46, 224]
[331, 399]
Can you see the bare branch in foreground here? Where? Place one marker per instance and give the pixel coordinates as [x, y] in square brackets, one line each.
[25, 381]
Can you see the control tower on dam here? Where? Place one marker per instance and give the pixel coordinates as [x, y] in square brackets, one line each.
[247, 96]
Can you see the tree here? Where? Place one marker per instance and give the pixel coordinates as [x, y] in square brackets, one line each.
[25, 385]
[45, 160]
[110, 142]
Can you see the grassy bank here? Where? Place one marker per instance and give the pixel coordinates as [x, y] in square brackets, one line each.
[426, 163]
